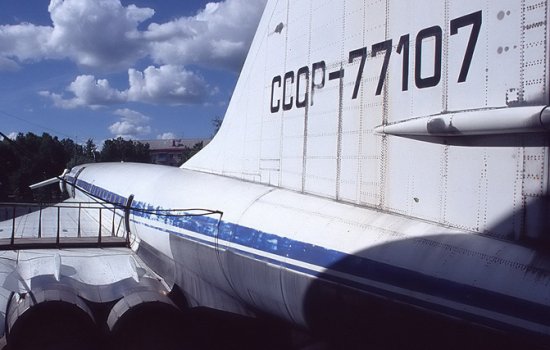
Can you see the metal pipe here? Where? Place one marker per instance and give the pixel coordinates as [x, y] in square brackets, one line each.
[58, 224]
[99, 236]
[12, 241]
[113, 223]
[127, 211]
[79, 209]
[40, 222]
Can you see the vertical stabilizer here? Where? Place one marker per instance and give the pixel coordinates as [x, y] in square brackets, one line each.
[434, 110]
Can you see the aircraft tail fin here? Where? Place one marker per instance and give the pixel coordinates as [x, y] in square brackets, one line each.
[430, 110]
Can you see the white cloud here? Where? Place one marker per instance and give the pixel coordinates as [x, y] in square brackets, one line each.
[131, 115]
[97, 33]
[7, 65]
[165, 84]
[218, 36]
[104, 35]
[131, 125]
[24, 41]
[89, 92]
[166, 136]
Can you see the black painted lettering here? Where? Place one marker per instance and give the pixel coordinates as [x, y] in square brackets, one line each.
[338, 74]
[287, 105]
[315, 85]
[403, 46]
[436, 33]
[473, 19]
[309, 79]
[387, 47]
[276, 80]
[362, 52]
[302, 72]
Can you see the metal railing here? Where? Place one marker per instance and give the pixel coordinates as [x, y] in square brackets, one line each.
[60, 225]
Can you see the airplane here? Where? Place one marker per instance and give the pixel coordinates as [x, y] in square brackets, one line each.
[381, 161]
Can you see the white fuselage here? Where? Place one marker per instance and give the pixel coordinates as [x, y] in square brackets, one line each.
[273, 247]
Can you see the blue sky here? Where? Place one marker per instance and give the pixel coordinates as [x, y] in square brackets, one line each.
[139, 69]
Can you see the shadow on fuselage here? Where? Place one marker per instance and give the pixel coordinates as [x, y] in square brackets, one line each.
[393, 305]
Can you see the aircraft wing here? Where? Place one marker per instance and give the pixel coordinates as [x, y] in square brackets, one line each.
[71, 254]
[380, 163]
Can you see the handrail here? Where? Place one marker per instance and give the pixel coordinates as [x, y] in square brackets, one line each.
[61, 204]
[42, 225]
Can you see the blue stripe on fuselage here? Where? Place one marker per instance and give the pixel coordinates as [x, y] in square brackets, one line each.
[336, 261]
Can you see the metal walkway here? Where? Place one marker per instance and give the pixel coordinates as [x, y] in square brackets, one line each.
[62, 225]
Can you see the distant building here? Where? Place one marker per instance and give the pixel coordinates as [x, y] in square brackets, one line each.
[173, 152]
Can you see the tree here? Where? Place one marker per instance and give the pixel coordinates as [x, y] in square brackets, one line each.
[90, 150]
[217, 124]
[80, 154]
[189, 152]
[30, 159]
[9, 162]
[120, 150]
